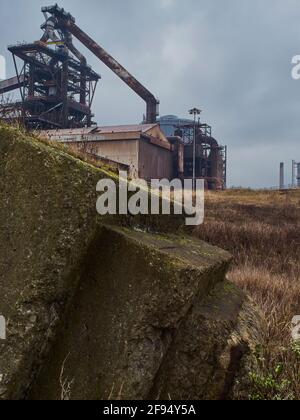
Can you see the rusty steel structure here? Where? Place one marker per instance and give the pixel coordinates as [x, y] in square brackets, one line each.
[66, 23]
[56, 89]
[211, 157]
[56, 85]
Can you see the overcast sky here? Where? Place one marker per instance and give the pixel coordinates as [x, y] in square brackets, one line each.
[231, 58]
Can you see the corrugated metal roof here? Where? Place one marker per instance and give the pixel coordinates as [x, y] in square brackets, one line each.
[142, 128]
[66, 132]
[109, 133]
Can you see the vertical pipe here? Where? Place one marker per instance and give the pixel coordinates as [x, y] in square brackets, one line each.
[225, 168]
[298, 175]
[281, 177]
[83, 85]
[19, 80]
[31, 80]
[194, 155]
[293, 173]
[64, 90]
[180, 159]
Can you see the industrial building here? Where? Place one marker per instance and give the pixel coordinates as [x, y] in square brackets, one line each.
[143, 148]
[57, 88]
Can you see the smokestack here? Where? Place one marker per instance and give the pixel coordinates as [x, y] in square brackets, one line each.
[298, 175]
[293, 173]
[281, 180]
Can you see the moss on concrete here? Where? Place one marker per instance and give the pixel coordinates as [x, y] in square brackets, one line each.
[211, 355]
[132, 298]
[106, 303]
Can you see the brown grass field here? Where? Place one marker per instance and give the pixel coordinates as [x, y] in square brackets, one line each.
[262, 231]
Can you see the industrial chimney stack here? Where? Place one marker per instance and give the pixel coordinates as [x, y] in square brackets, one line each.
[295, 174]
[298, 175]
[281, 177]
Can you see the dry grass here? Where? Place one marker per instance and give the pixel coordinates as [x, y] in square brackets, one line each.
[262, 231]
[65, 384]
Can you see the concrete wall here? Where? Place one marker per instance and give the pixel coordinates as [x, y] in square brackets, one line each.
[154, 162]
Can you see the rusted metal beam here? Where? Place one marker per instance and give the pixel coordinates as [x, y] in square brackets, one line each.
[117, 68]
[66, 22]
[12, 84]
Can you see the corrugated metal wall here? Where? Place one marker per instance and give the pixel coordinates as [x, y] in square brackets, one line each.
[154, 162]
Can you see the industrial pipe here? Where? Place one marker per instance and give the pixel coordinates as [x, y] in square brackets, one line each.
[65, 21]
